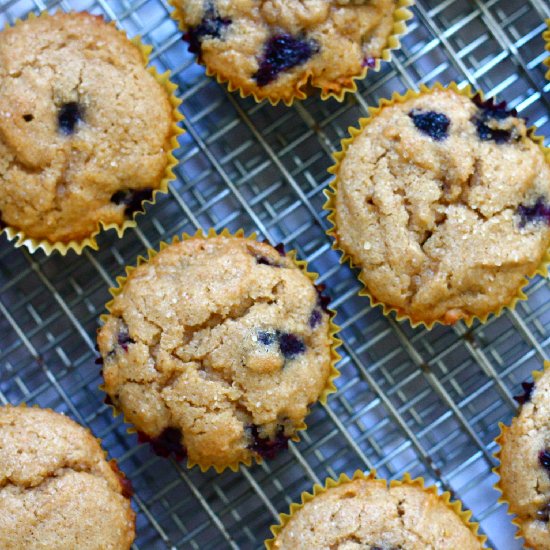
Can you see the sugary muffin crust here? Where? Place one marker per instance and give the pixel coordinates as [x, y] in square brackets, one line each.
[216, 347]
[525, 464]
[274, 47]
[444, 204]
[366, 514]
[57, 491]
[84, 127]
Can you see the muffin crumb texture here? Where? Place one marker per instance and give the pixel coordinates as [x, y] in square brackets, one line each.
[366, 514]
[273, 48]
[444, 204]
[57, 491]
[215, 348]
[85, 129]
[525, 465]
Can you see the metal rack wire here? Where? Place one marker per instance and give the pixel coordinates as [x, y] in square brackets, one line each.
[409, 400]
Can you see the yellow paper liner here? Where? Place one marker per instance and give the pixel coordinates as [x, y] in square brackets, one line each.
[500, 441]
[334, 373]
[163, 79]
[126, 488]
[330, 206]
[445, 498]
[546, 36]
[400, 17]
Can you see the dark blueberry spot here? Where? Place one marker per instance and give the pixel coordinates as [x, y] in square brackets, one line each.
[265, 447]
[315, 318]
[487, 133]
[69, 116]
[281, 53]
[538, 212]
[544, 513]
[266, 338]
[435, 125]
[490, 109]
[369, 62]
[280, 248]
[544, 459]
[527, 392]
[123, 338]
[2, 223]
[98, 361]
[211, 26]
[132, 199]
[28, 117]
[167, 443]
[322, 299]
[291, 345]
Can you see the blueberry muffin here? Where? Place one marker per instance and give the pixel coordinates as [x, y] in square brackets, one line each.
[215, 348]
[85, 129]
[57, 491]
[274, 49]
[365, 513]
[525, 464]
[443, 202]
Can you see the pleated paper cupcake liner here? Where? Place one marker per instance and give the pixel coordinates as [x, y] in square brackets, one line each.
[48, 247]
[175, 448]
[330, 207]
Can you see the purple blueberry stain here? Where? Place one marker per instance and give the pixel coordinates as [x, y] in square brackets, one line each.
[539, 212]
[544, 459]
[491, 111]
[132, 199]
[267, 338]
[69, 116]
[525, 397]
[2, 223]
[315, 318]
[211, 26]
[264, 446]
[283, 52]
[291, 345]
[322, 300]
[280, 248]
[166, 444]
[123, 338]
[369, 62]
[434, 125]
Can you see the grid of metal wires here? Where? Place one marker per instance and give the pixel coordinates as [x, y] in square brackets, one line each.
[409, 400]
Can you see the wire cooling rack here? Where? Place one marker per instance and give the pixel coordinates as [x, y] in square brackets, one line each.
[409, 400]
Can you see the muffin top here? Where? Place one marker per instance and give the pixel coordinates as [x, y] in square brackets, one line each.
[366, 514]
[84, 127]
[217, 346]
[274, 47]
[525, 464]
[444, 204]
[57, 491]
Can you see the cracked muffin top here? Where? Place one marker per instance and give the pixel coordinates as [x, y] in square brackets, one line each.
[85, 129]
[366, 514]
[57, 491]
[525, 464]
[444, 204]
[273, 48]
[216, 347]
